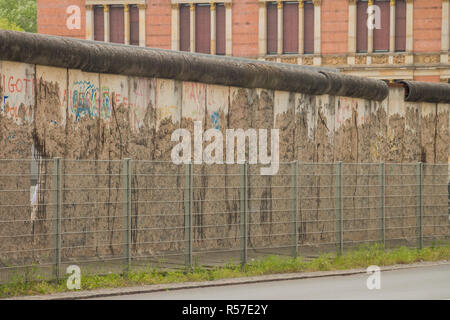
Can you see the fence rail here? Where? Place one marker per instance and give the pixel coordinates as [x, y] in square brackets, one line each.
[110, 216]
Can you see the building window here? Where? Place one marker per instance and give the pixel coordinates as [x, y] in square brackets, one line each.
[392, 27]
[298, 32]
[400, 25]
[308, 29]
[203, 28]
[134, 25]
[185, 23]
[99, 23]
[220, 29]
[272, 31]
[361, 26]
[116, 23]
[112, 22]
[290, 27]
[207, 18]
[381, 35]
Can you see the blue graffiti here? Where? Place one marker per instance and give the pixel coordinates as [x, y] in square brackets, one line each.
[105, 107]
[12, 136]
[4, 103]
[84, 100]
[215, 120]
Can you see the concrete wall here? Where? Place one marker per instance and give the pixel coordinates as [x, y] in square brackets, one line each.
[78, 115]
[89, 116]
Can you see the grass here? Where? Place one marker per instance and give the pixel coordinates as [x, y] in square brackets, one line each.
[359, 258]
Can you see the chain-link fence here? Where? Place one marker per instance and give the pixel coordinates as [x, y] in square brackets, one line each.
[109, 216]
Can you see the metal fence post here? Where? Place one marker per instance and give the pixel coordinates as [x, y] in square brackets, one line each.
[244, 216]
[57, 200]
[381, 202]
[294, 208]
[419, 208]
[188, 199]
[127, 213]
[339, 211]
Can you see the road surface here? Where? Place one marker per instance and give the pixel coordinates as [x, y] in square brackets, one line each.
[416, 283]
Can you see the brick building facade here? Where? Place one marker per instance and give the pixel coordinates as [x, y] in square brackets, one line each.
[410, 39]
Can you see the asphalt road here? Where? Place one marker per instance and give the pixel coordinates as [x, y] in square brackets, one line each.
[417, 283]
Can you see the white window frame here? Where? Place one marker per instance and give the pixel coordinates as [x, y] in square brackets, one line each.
[352, 23]
[228, 24]
[142, 6]
[262, 30]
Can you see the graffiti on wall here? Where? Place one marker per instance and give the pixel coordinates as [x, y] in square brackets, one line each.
[85, 100]
[193, 100]
[344, 110]
[141, 92]
[197, 97]
[105, 106]
[217, 105]
[215, 120]
[166, 112]
[16, 92]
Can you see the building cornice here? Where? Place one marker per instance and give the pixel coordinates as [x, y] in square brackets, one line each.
[113, 2]
[175, 2]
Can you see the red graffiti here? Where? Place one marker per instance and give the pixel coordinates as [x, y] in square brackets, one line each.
[19, 85]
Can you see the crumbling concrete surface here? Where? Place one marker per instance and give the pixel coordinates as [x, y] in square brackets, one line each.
[94, 121]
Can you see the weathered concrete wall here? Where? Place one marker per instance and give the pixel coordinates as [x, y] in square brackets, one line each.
[78, 115]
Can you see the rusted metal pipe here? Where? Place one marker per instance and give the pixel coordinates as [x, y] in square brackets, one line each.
[100, 57]
[416, 91]
[357, 87]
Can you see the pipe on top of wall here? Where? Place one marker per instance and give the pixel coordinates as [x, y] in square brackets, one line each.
[101, 57]
[416, 91]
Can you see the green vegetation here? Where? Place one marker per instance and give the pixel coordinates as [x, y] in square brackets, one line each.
[6, 25]
[361, 258]
[19, 15]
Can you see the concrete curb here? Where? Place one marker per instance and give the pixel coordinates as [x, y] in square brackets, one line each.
[215, 283]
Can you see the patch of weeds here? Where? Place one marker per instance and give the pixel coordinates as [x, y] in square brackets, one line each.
[29, 282]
